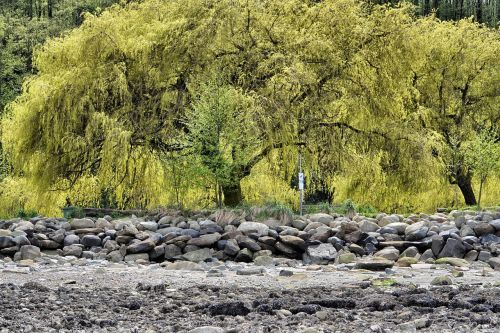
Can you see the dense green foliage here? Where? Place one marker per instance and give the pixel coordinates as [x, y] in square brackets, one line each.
[189, 102]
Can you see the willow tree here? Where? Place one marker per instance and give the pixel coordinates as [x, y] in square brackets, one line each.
[117, 92]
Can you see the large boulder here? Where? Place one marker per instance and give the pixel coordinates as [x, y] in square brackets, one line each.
[30, 252]
[484, 229]
[495, 263]
[416, 231]
[321, 218]
[389, 253]
[6, 241]
[205, 240]
[368, 226]
[198, 255]
[141, 247]
[453, 248]
[231, 248]
[91, 240]
[253, 228]
[320, 254]
[82, 224]
[72, 250]
[293, 241]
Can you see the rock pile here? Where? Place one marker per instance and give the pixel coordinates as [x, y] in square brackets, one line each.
[373, 243]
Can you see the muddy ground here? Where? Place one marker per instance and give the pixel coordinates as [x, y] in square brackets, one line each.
[153, 299]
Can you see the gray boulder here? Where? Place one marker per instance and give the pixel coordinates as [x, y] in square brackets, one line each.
[172, 251]
[82, 224]
[253, 228]
[368, 226]
[72, 250]
[205, 240]
[231, 248]
[416, 231]
[6, 241]
[90, 241]
[321, 218]
[198, 255]
[453, 248]
[389, 253]
[141, 247]
[320, 254]
[30, 252]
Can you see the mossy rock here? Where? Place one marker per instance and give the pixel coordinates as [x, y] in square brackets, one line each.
[406, 261]
[443, 280]
[346, 258]
[384, 282]
[453, 261]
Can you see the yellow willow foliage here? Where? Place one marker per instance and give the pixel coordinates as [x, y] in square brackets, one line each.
[370, 94]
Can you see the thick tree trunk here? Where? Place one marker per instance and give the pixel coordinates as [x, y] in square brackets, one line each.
[232, 194]
[464, 182]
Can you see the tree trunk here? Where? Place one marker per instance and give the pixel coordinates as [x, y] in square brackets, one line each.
[49, 8]
[464, 182]
[232, 194]
[480, 193]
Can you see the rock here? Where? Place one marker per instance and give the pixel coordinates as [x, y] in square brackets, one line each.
[458, 262]
[30, 252]
[72, 250]
[490, 239]
[82, 224]
[389, 253]
[416, 231]
[198, 255]
[48, 244]
[71, 240]
[253, 228]
[207, 329]
[151, 226]
[437, 245]
[412, 251]
[354, 248]
[374, 264]
[114, 256]
[345, 258]
[263, 261]
[285, 249]
[453, 248]
[136, 257]
[484, 229]
[183, 265]
[6, 241]
[299, 224]
[443, 280]
[471, 255]
[484, 256]
[90, 241]
[205, 240]
[428, 254]
[495, 224]
[250, 271]
[400, 227]
[232, 248]
[321, 218]
[368, 226]
[158, 252]
[495, 263]
[21, 240]
[141, 247]
[467, 231]
[103, 224]
[406, 261]
[248, 243]
[245, 255]
[172, 251]
[294, 241]
[385, 220]
[285, 272]
[320, 254]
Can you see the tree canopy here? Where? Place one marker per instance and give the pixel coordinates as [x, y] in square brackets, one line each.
[368, 93]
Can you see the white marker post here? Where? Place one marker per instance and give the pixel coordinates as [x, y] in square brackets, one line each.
[301, 181]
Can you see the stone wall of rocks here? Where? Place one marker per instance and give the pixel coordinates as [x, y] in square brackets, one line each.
[315, 239]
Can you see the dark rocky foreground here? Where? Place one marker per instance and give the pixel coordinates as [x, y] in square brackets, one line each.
[120, 298]
[227, 272]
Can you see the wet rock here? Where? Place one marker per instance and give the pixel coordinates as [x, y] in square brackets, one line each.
[453, 248]
[237, 308]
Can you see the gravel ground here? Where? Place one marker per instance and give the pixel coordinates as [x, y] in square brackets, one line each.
[121, 298]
